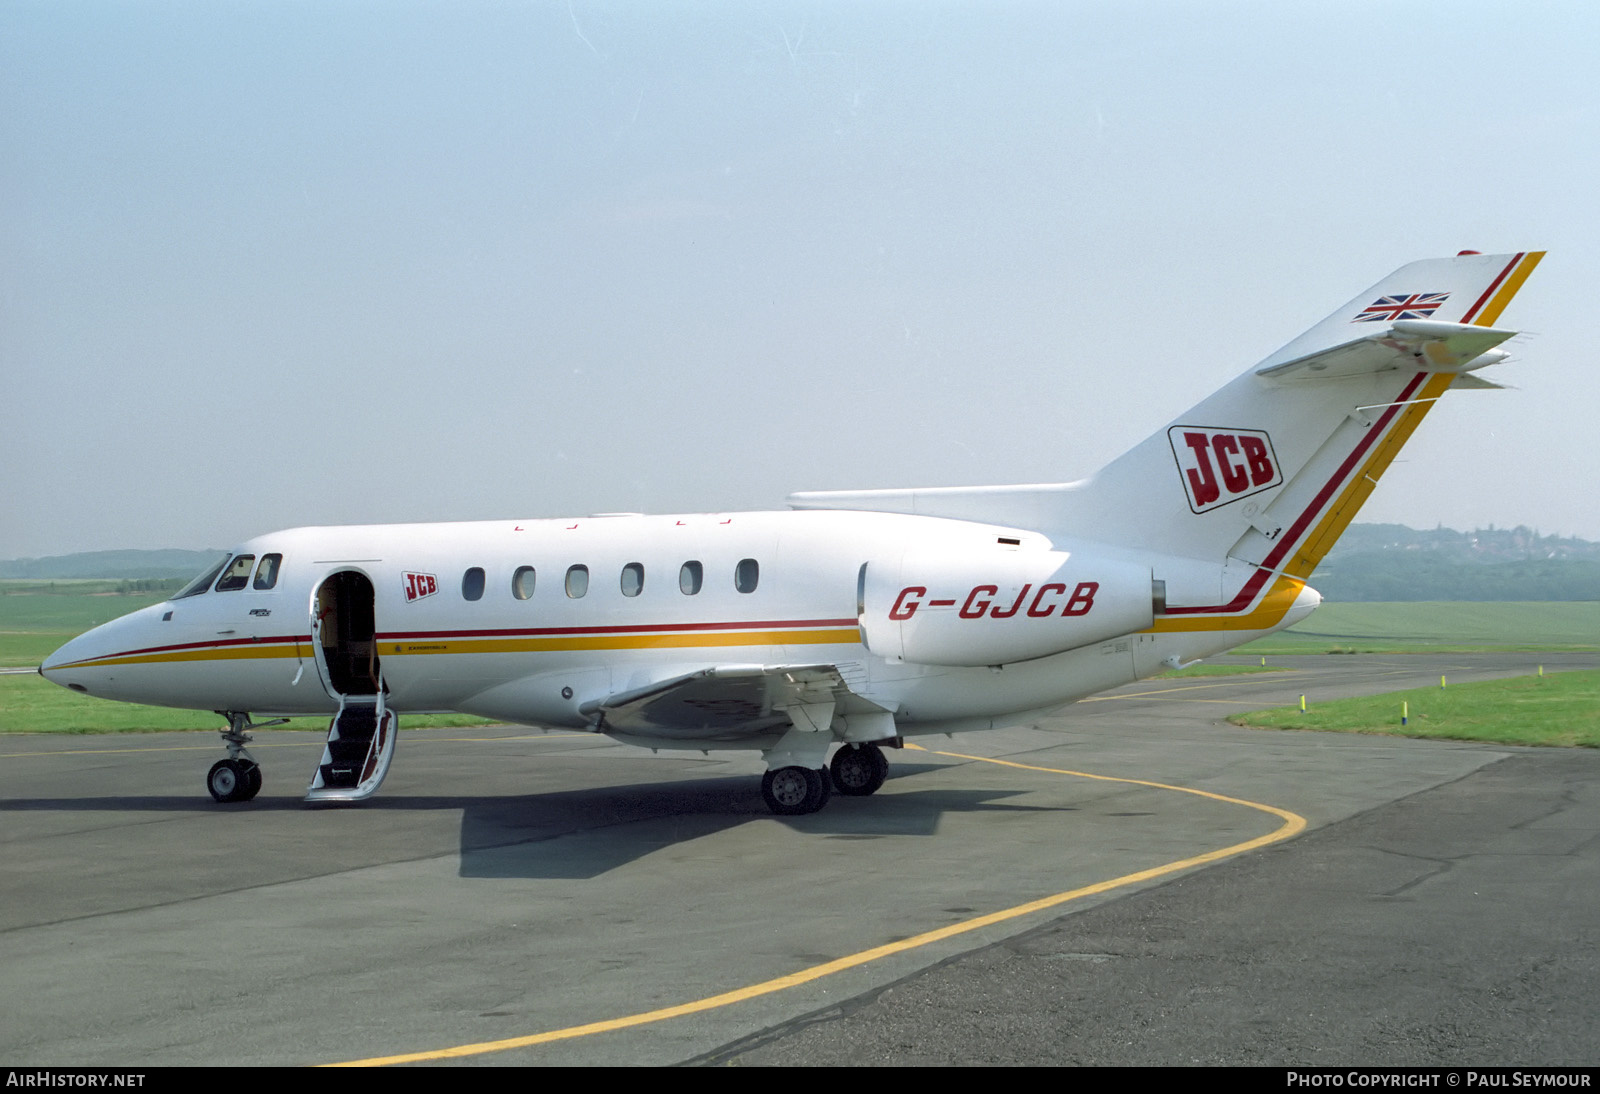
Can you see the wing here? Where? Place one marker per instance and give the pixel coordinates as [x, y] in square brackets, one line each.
[737, 702]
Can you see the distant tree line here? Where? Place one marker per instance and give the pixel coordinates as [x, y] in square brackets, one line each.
[150, 585]
[1406, 575]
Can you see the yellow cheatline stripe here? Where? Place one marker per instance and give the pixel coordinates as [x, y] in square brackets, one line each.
[831, 637]
[1268, 613]
[851, 636]
[211, 653]
[1489, 314]
[1293, 824]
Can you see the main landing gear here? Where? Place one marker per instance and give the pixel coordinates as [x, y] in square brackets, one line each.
[238, 778]
[791, 791]
[857, 770]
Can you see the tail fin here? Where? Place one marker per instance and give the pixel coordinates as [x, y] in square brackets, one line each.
[1267, 472]
[1271, 469]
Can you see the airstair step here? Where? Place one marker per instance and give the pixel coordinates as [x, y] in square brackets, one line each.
[340, 775]
[349, 749]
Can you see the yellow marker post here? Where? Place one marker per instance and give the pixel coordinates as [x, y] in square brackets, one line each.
[1541, 670]
[1405, 711]
[1302, 704]
[1441, 681]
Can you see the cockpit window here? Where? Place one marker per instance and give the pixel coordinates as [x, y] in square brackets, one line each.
[203, 582]
[237, 575]
[267, 572]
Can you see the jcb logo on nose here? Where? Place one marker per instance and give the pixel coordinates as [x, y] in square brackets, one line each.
[1219, 466]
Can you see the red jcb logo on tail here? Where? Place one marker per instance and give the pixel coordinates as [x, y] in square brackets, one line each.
[418, 586]
[1223, 465]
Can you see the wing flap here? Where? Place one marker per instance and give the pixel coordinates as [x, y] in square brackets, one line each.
[726, 702]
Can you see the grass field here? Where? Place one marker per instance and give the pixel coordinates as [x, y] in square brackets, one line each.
[1440, 627]
[31, 704]
[37, 617]
[1555, 709]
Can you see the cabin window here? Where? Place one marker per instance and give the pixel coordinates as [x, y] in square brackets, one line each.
[633, 579]
[746, 575]
[522, 583]
[267, 572]
[577, 581]
[690, 577]
[203, 582]
[472, 584]
[237, 575]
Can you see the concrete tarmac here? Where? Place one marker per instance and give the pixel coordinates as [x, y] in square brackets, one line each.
[508, 887]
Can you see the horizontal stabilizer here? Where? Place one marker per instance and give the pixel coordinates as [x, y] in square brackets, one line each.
[1418, 344]
[1468, 382]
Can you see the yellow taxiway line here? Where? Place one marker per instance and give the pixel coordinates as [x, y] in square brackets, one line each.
[1293, 824]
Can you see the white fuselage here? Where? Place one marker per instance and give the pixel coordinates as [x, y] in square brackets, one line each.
[538, 649]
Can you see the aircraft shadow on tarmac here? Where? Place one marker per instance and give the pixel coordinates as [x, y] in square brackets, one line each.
[535, 836]
[587, 832]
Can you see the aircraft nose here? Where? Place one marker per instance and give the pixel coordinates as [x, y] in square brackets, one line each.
[55, 667]
[89, 663]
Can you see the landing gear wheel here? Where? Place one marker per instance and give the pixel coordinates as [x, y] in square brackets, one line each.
[859, 771]
[792, 791]
[229, 781]
[824, 787]
[252, 785]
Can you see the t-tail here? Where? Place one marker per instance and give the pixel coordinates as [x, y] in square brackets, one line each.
[1241, 496]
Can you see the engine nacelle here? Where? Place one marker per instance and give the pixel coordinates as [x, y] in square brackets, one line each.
[998, 607]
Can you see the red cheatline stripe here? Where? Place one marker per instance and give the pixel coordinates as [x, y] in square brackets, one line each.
[786, 624]
[1284, 545]
[651, 628]
[1493, 285]
[219, 644]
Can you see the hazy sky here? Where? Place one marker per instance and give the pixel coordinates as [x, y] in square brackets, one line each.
[273, 264]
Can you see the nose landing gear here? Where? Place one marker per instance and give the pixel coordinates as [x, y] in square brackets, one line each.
[234, 780]
[238, 778]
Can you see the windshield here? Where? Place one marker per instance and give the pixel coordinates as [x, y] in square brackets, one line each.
[203, 582]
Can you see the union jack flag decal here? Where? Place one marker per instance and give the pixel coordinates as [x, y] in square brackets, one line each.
[1419, 305]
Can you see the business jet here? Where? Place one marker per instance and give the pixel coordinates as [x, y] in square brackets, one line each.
[841, 626]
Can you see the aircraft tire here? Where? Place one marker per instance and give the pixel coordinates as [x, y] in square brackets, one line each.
[252, 782]
[793, 791]
[228, 781]
[857, 772]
